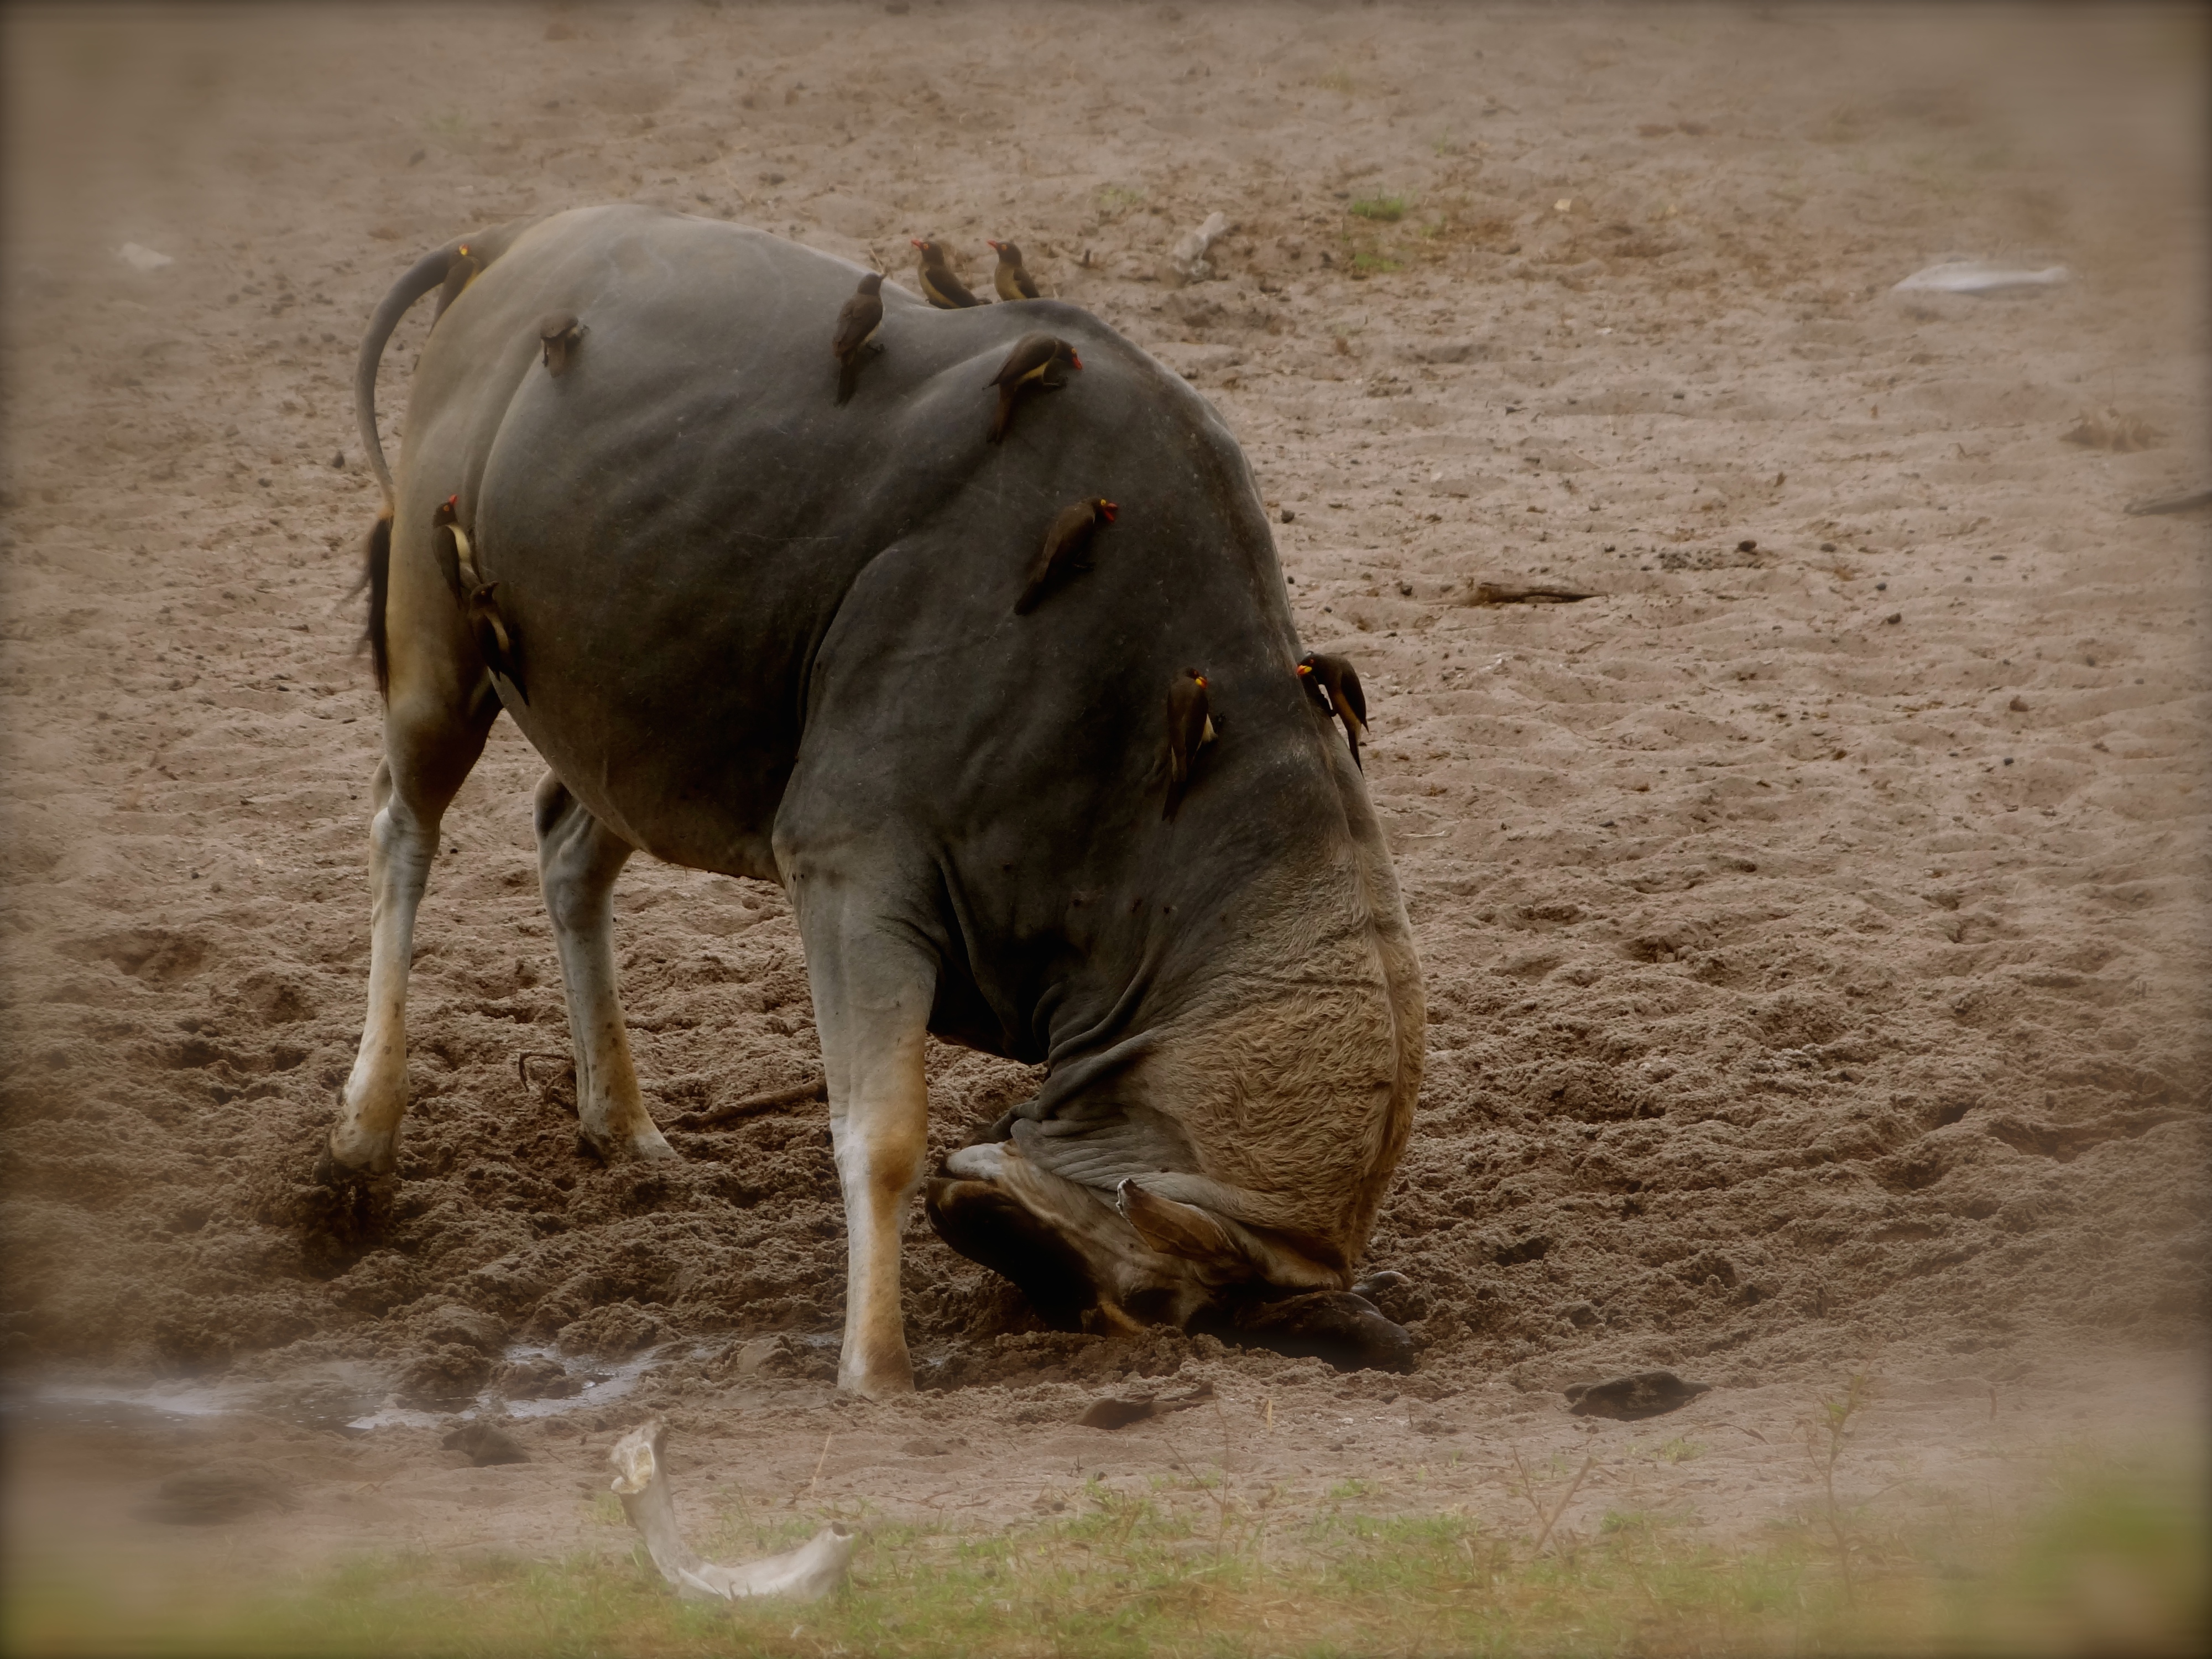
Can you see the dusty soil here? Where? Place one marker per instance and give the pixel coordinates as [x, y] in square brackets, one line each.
[1816, 950]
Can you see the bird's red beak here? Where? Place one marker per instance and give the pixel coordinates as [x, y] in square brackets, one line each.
[996, 247]
[917, 242]
[1106, 510]
[1075, 358]
[453, 502]
[1304, 669]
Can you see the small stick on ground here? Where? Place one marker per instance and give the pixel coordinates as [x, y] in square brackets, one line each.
[1560, 1508]
[522, 1064]
[775, 1100]
[1527, 593]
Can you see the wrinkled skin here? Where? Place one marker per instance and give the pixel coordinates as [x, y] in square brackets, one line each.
[773, 637]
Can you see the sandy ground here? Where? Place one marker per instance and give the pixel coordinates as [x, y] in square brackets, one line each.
[1816, 949]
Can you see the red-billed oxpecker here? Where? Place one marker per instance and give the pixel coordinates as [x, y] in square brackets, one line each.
[1037, 360]
[857, 319]
[1010, 277]
[559, 333]
[939, 285]
[1065, 544]
[478, 599]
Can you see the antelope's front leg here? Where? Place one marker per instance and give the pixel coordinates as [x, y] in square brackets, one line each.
[873, 990]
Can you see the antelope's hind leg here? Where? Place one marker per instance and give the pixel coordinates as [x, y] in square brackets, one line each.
[578, 859]
[436, 718]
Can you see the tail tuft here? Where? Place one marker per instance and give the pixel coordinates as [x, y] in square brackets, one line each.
[376, 576]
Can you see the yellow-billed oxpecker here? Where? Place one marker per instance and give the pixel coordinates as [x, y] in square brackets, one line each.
[1190, 728]
[1333, 685]
[1037, 360]
[1010, 277]
[458, 275]
[857, 319]
[1065, 544]
[939, 285]
[558, 334]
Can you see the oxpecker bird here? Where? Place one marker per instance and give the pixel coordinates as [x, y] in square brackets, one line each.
[1333, 685]
[939, 285]
[449, 545]
[1037, 360]
[857, 319]
[1010, 277]
[458, 275]
[495, 637]
[1190, 728]
[558, 336]
[1064, 545]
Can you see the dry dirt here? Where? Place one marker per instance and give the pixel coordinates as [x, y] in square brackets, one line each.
[1816, 950]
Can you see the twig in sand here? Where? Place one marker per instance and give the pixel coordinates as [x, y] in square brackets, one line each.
[522, 1064]
[1546, 1522]
[1527, 593]
[1560, 1508]
[797, 1095]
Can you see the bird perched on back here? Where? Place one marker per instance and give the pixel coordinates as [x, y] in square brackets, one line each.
[1333, 685]
[1190, 728]
[558, 334]
[1064, 545]
[1037, 360]
[459, 273]
[939, 285]
[1010, 277]
[857, 319]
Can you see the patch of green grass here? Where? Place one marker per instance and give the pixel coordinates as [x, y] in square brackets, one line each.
[1386, 209]
[1366, 262]
[1118, 199]
[2116, 1562]
[1337, 79]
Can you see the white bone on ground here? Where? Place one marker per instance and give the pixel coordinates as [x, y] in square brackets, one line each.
[1977, 276]
[805, 1574]
[1189, 255]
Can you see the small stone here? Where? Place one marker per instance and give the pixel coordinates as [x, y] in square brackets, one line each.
[486, 1443]
[1290, 516]
[208, 1496]
[1894, 617]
